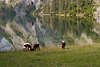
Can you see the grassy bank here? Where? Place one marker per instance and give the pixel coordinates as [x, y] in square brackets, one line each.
[73, 56]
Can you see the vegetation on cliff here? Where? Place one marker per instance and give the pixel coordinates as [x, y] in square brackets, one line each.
[69, 7]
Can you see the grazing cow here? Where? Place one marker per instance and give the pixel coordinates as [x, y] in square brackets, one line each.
[27, 46]
[63, 44]
[36, 46]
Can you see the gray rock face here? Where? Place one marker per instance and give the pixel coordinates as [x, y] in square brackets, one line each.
[5, 45]
[19, 29]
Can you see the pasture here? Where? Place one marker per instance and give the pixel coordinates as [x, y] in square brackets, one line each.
[72, 56]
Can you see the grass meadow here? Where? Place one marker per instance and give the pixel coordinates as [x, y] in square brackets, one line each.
[71, 56]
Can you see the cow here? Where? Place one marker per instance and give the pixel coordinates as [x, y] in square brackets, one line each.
[27, 46]
[36, 47]
[63, 44]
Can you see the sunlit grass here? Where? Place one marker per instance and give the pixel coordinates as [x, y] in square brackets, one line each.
[72, 56]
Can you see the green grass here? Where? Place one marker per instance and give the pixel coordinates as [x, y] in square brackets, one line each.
[73, 56]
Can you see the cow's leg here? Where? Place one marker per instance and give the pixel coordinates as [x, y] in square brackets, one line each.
[34, 49]
[38, 48]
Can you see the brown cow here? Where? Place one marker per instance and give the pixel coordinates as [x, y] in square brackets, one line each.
[36, 46]
[63, 44]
